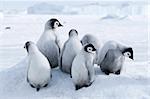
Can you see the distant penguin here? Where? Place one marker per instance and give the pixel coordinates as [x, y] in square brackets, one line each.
[91, 39]
[112, 56]
[88, 38]
[39, 70]
[82, 70]
[49, 44]
[71, 47]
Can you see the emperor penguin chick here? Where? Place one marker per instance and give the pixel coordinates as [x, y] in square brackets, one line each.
[91, 39]
[39, 70]
[71, 47]
[88, 38]
[49, 42]
[112, 56]
[82, 70]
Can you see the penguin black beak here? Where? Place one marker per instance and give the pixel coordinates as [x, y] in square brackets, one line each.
[60, 25]
[94, 49]
[131, 57]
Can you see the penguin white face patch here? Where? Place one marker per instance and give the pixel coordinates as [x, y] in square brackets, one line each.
[89, 49]
[56, 24]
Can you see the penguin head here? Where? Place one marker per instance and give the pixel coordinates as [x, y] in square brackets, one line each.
[53, 24]
[88, 38]
[89, 48]
[128, 52]
[84, 40]
[73, 32]
[27, 45]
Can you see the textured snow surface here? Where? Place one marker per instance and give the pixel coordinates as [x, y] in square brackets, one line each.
[133, 83]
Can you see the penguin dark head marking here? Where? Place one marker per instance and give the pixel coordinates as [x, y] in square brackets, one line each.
[128, 52]
[73, 32]
[53, 23]
[27, 44]
[89, 48]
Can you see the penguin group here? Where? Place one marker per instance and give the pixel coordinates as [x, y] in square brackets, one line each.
[76, 58]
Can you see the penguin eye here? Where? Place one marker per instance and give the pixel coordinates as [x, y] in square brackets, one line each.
[89, 49]
[56, 23]
[127, 54]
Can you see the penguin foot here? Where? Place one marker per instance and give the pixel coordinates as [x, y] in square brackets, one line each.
[106, 72]
[117, 72]
[86, 85]
[45, 85]
[32, 86]
[89, 84]
[37, 89]
[77, 87]
[70, 76]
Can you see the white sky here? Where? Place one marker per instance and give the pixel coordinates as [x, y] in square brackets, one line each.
[23, 4]
[76, 0]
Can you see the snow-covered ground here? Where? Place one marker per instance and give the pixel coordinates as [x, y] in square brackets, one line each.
[133, 83]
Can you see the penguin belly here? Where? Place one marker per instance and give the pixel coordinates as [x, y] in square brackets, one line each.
[79, 73]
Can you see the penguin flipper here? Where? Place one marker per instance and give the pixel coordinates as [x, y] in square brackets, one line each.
[61, 54]
[27, 79]
[70, 72]
[60, 64]
[58, 44]
[70, 75]
[51, 75]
